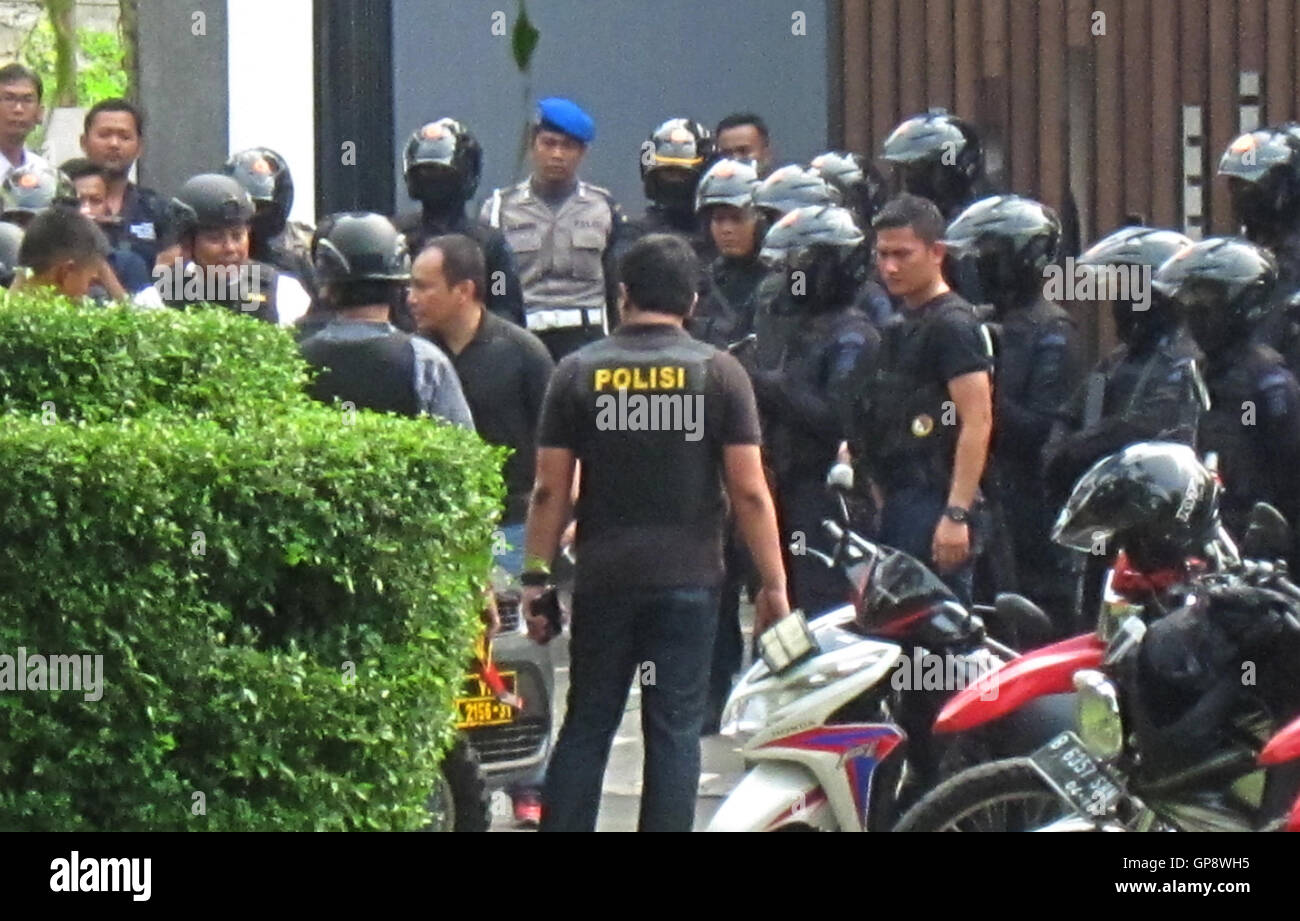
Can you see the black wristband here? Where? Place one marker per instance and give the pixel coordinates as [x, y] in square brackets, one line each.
[535, 577]
[957, 513]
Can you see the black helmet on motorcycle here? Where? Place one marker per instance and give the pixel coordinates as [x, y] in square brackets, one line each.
[937, 156]
[1224, 285]
[359, 246]
[861, 187]
[210, 201]
[672, 161]
[822, 253]
[1263, 170]
[727, 182]
[1145, 249]
[1154, 499]
[33, 187]
[11, 240]
[1008, 242]
[265, 176]
[792, 187]
[442, 164]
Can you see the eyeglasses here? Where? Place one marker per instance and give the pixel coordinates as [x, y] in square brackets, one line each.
[10, 99]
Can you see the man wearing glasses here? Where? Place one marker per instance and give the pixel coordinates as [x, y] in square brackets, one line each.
[20, 112]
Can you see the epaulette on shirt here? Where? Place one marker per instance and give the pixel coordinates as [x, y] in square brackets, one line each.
[525, 192]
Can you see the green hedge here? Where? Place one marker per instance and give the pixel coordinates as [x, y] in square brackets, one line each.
[284, 606]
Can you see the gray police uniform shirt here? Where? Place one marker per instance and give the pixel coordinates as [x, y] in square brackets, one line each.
[437, 385]
[560, 252]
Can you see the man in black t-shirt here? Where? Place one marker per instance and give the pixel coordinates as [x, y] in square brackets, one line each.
[666, 430]
[927, 415]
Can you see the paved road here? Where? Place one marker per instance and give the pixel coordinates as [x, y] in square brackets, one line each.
[721, 765]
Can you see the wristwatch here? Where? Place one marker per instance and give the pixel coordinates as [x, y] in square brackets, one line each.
[957, 513]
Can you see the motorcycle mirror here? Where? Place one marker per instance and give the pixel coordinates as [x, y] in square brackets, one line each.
[840, 477]
[1268, 535]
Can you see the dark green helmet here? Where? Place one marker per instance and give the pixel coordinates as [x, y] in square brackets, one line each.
[33, 187]
[1224, 285]
[11, 240]
[727, 182]
[359, 246]
[793, 187]
[1263, 170]
[1008, 241]
[210, 201]
[1145, 249]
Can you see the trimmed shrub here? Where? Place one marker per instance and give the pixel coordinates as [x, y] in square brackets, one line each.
[284, 600]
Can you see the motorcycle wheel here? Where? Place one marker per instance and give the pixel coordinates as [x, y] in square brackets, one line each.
[460, 800]
[1002, 796]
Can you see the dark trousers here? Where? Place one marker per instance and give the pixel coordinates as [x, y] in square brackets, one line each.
[907, 523]
[663, 639]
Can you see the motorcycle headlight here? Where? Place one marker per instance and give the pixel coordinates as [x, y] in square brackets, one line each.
[1097, 715]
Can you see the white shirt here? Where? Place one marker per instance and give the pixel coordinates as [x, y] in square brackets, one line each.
[29, 159]
[291, 299]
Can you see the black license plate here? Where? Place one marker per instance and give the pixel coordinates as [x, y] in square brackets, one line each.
[1078, 777]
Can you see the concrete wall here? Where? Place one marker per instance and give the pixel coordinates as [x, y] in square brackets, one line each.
[630, 63]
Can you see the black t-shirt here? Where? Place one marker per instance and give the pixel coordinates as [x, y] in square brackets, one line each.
[952, 344]
[504, 371]
[648, 412]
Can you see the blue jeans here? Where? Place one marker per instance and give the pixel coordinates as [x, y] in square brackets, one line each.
[663, 639]
[907, 523]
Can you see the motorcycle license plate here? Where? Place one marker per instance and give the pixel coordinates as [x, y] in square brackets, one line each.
[1074, 774]
[479, 706]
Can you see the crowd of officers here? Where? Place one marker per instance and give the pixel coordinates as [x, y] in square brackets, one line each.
[890, 311]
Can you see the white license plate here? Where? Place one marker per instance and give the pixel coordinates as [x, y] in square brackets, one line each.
[1073, 773]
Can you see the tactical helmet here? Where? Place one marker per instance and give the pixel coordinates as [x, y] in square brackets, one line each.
[31, 188]
[1263, 170]
[792, 187]
[264, 174]
[11, 240]
[1153, 499]
[1145, 249]
[356, 246]
[1007, 242]
[861, 187]
[442, 163]
[1224, 285]
[937, 156]
[727, 182]
[210, 201]
[822, 253]
[673, 160]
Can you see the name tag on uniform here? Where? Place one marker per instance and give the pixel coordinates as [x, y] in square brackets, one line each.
[143, 231]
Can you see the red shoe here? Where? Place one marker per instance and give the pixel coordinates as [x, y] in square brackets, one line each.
[528, 809]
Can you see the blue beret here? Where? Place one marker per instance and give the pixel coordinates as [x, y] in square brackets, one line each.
[565, 116]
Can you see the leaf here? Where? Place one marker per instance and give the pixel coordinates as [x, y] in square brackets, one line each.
[523, 39]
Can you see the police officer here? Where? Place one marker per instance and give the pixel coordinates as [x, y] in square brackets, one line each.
[1225, 286]
[1007, 242]
[745, 136]
[924, 423]
[1263, 170]
[937, 156]
[211, 215]
[724, 202]
[362, 265]
[805, 400]
[442, 164]
[29, 189]
[863, 191]
[562, 231]
[264, 174]
[672, 162]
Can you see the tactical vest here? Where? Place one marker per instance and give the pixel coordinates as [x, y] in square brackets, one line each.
[376, 373]
[245, 298]
[726, 314]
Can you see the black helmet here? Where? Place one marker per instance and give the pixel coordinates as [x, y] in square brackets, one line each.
[1224, 285]
[727, 182]
[823, 245]
[672, 161]
[31, 188]
[1263, 170]
[937, 156]
[442, 163]
[1146, 249]
[359, 246]
[792, 187]
[11, 240]
[1153, 499]
[861, 187]
[1007, 241]
[265, 177]
[210, 201]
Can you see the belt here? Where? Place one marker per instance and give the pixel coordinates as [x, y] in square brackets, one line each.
[565, 318]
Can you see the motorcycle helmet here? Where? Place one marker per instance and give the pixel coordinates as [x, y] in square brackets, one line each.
[1155, 500]
[442, 164]
[265, 176]
[792, 187]
[1003, 244]
[11, 240]
[1224, 286]
[822, 253]
[1145, 249]
[357, 246]
[33, 187]
[860, 186]
[1263, 171]
[210, 201]
[937, 156]
[679, 151]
